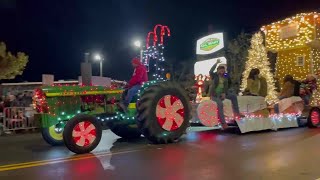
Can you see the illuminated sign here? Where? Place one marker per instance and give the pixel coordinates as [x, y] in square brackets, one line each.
[210, 44]
[203, 67]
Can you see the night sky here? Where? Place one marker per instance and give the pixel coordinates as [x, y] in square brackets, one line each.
[56, 33]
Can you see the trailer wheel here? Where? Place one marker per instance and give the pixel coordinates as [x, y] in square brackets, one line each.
[314, 118]
[82, 134]
[53, 135]
[164, 112]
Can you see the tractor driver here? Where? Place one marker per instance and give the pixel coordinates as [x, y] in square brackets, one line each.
[138, 78]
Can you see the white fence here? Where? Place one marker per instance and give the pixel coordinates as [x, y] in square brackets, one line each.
[18, 118]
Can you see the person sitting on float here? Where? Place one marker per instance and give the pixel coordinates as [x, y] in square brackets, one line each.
[256, 84]
[219, 91]
[287, 90]
[307, 87]
[253, 84]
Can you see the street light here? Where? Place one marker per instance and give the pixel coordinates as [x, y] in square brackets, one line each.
[138, 44]
[99, 57]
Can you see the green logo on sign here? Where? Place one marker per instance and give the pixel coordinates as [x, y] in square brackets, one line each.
[209, 44]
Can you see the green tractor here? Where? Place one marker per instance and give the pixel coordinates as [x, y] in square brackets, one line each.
[76, 115]
[58, 104]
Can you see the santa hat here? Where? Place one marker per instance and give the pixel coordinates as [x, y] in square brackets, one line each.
[136, 61]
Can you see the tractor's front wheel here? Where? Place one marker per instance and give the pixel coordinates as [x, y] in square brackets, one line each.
[82, 134]
[164, 112]
[53, 135]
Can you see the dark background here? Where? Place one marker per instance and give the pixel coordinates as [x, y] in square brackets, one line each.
[56, 33]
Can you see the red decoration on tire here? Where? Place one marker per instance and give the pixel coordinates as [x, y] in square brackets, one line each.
[315, 117]
[170, 113]
[84, 134]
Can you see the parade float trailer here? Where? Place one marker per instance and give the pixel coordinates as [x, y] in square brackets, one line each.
[258, 111]
[296, 40]
[258, 114]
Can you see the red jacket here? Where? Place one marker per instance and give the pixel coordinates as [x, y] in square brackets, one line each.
[139, 76]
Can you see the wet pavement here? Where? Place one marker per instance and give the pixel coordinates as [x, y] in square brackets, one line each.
[286, 154]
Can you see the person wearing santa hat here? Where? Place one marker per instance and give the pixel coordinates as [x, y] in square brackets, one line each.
[138, 78]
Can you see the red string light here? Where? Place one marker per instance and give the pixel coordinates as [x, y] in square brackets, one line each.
[163, 31]
[148, 39]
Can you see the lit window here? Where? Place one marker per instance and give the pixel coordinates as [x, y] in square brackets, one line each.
[300, 61]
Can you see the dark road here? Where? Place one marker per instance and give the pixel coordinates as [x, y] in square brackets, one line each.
[286, 154]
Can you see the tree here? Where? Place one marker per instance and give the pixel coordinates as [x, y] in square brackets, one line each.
[258, 59]
[11, 65]
[236, 54]
[181, 70]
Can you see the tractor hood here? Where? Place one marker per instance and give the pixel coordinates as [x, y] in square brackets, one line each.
[55, 91]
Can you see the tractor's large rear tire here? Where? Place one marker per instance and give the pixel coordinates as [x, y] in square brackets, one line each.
[314, 118]
[163, 112]
[125, 129]
[82, 134]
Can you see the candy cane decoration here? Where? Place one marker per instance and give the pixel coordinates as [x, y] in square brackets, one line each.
[164, 29]
[155, 30]
[148, 39]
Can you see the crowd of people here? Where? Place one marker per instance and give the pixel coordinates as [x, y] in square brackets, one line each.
[16, 100]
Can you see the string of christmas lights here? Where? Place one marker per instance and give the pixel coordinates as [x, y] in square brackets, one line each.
[287, 63]
[155, 53]
[67, 101]
[305, 24]
[273, 117]
[200, 80]
[291, 38]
